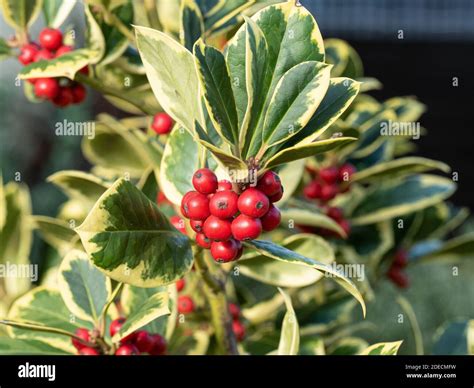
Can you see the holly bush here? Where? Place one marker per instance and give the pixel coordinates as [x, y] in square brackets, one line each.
[248, 201]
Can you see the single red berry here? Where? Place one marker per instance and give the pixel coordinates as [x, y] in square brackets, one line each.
[178, 223]
[28, 53]
[346, 226]
[89, 352]
[225, 251]
[401, 258]
[185, 304]
[180, 284]
[158, 345]
[64, 97]
[398, 277]
[271, 220]
[269, 183]
[116, 325]
[329, 174]
[223, 204]
[184, 201]
[127, 350]
[82, 333]
[346, 171]
[196, 207]
[246, 228]
[84, 70]
[276, 197]
[143, 341]
[161, 198]
[203, 241]
[253, 203]
[312, 190]
[47, 88]
[50, 38]
[234, 311]
[205, 181]
[78, 93]
[197, 225]
[224, 185]
[335, 213]
[63, 50]
[217, 229]
[43, 55]
[239, 330]
[162, 123]
[328, 192]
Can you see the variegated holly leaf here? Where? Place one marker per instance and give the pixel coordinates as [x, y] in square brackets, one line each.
[382, 349]
[192, 23]
[20, 14]
[84, 289]
[308, 217]
[399, 198]
[290, 333]
[278, 252]
[146, 311]
[127, 236]
[56, 232]
[56, 11]
[172, 75]
[16, 347]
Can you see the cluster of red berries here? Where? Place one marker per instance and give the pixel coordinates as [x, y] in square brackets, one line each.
[337, 215]
[237, 326]
[136, 343]
[61, 91]
[222, 218]
[396, 271]
[162, 123]
[326, 182]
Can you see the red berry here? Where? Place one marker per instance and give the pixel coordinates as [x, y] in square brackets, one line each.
[335, 213]
[312, 190]
[28, 53]
[47, 88]
[162, 123]
[401, 258]
[63, 50]
[88, 352]
[203, 241]
[43, 55]
[50, 38]
[276, 197]
[328, 192]
[161, 198]
[84, 335]
[234, 311]
[269, 183]
[184, 201]
[346, 171]
[143, 341]
[271, 220]
[84, 70]
[246, 228]
[224, 185]
[239, 330]
[180, 284]
[158, 345]
[398, 277]
[217, 229]
[64, 97]
[185, 304]
[223, 204]
[178, 223]
[346, 226]
[329, 174]
[225, 251]
[196, 207]
[205, 181]
[253, 203]
[197, 225]
[115, 327]
[78, 93]
[127, 350]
